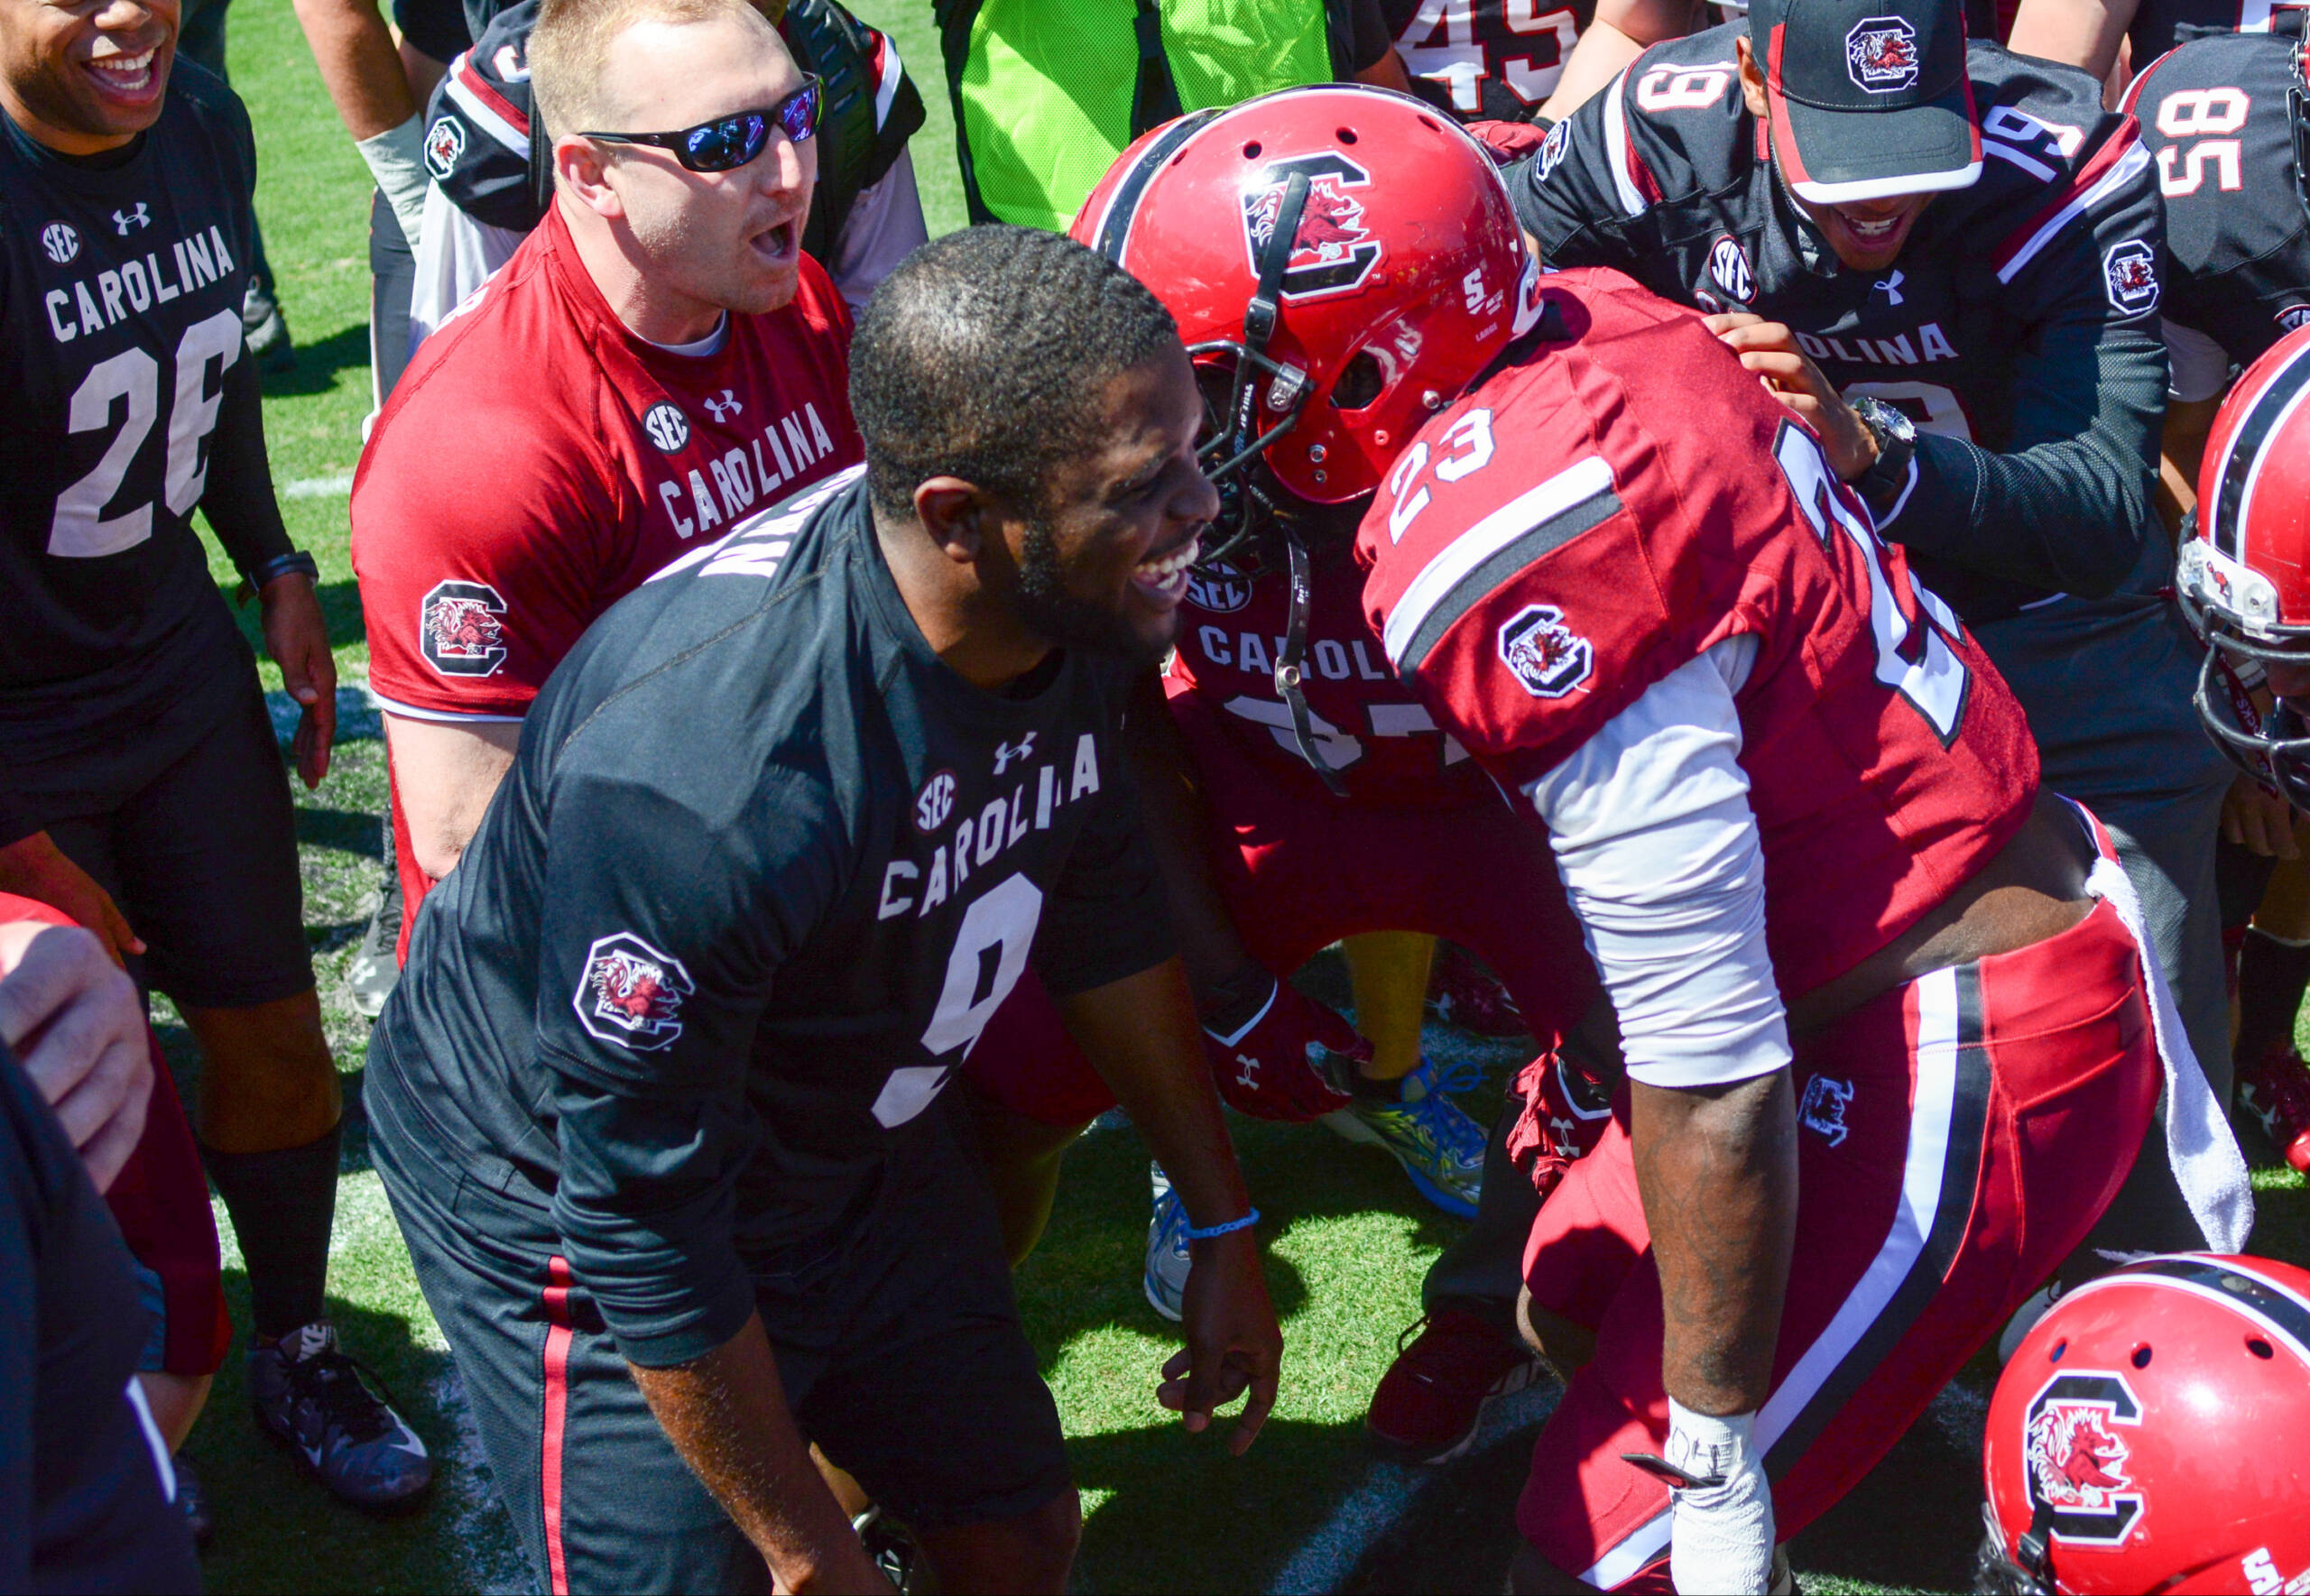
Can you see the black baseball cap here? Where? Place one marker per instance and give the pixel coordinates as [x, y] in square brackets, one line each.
[1868, 98]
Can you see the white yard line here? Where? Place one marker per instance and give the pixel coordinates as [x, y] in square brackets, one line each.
[1325, 1559]
[319, 487]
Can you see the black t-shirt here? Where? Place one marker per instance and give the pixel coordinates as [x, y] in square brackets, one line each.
[81, 1504]
[1495, 60]
[2214, 115]
[126, 401]
[2018, 329]
[763, 870]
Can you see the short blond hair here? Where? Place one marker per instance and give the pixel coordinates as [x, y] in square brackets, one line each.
[571, 45]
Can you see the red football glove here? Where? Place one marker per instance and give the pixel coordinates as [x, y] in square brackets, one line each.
[1507, 143]
[1266, 1067]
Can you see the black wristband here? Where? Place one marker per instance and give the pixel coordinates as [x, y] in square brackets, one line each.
[280, 565]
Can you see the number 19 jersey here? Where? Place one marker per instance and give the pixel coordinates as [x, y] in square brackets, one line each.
[1606, 507]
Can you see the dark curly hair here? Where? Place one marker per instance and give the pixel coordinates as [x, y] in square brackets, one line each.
[981, 357]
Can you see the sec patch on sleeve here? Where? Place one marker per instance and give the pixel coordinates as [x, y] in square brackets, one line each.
[630, 994]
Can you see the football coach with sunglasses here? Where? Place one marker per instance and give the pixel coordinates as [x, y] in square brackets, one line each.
[657, 364]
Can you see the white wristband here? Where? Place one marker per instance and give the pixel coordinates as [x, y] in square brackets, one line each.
[1721, 1532]
[396, 159]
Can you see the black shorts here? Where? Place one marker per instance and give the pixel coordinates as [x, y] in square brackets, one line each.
[198, 845]
[904, 1363]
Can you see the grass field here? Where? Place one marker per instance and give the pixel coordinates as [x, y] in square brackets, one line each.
[1308, 1508]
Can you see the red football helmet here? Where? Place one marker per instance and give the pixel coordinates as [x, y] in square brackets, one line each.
[2244, 577]
[2148, 1435]
[1342, 262]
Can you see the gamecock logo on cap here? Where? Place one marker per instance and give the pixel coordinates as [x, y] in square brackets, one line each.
[1881, 54]
[632, 994]
[2076, 1459]
[461, 630]
[1331, 249]
[1544, 654]
[2132, 269]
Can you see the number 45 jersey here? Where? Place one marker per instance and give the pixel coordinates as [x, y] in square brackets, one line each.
[1639, 499]
[762, 872]
[128, 402]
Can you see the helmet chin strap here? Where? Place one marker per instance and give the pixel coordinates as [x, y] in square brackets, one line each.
[1287, 663]
[1259, 327]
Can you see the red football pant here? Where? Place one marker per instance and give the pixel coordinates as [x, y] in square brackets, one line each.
[1299, 869]
[1957, 1137]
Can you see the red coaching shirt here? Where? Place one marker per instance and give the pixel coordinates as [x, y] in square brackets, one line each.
[538, 462]
[1596, 514]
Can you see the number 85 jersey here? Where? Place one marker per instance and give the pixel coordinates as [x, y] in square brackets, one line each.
[1642, 501]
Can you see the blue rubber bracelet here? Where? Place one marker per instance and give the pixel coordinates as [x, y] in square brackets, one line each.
[1209, 1231]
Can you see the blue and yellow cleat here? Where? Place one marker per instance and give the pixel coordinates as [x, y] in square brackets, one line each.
[1440, 1147]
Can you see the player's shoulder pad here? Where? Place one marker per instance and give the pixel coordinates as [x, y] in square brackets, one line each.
[2052, 159]
[1674, 123]
[2261, 64]
[477, 127]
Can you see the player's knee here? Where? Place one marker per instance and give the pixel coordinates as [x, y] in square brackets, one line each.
[1562, 1342]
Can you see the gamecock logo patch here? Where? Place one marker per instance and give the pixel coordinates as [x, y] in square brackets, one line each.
[1544, 655]
[1881, 54]
[1331, 249]
[632, 994]
[444, 143]
[2077, 1459]
[461, 629]
[2130, 270]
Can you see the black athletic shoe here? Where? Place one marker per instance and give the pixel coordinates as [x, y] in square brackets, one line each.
[309, 1394]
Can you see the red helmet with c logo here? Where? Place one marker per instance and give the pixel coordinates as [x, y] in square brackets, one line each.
[2147, 1436]
[1342, 262]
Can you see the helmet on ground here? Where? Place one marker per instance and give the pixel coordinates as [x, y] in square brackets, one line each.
[2244, 576]
[1342, 262]
[2147, 1436]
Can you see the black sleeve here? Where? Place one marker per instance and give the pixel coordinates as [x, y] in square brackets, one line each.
[1107, 917]
[1373, 38]
[436, 27]
[20, 1205]
[1566, 196]
[238, 494]
[662, 931]
[240, 499]
[2064, 505]
[17, 822]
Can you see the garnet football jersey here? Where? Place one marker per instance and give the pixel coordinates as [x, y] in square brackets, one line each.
[1495, 60]
[2215, 116]
[2018, 329]
[1565, 535]
[538, 461]
[1368, 727]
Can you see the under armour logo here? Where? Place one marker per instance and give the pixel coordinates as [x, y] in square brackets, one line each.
[1004, 753]
[1892, 288]
[123, 220]
[723, 408]
[1563, 1132]
[1249, 1076]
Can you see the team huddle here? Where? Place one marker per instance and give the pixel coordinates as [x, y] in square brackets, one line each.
[881, 704]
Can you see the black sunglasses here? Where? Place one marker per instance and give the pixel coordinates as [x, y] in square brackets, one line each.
[729, 143]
